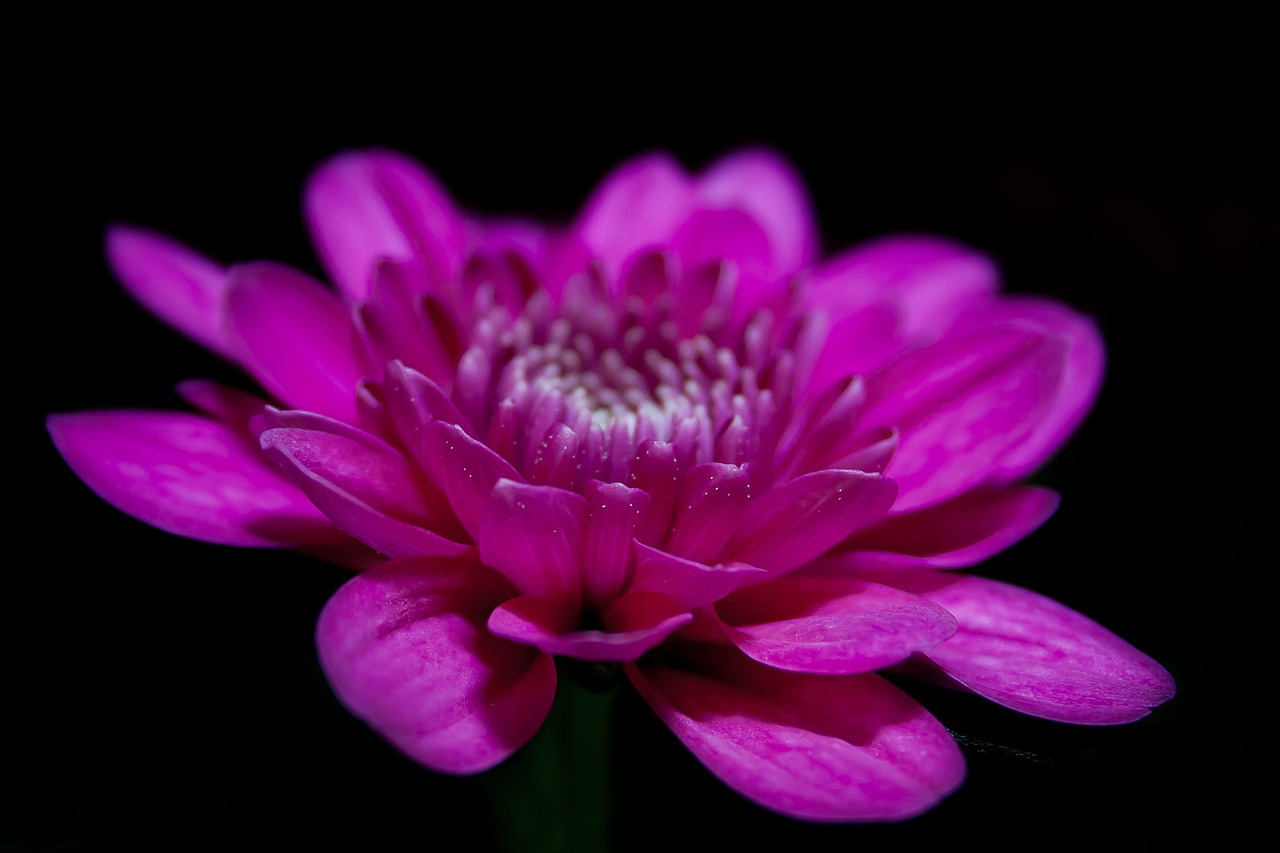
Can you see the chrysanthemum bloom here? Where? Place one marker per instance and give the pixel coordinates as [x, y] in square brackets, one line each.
[668, 439]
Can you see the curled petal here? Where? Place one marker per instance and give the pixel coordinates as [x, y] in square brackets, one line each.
[188, 475]
[795, 522]
[831, 625]
[177, 285]
[465, 470]
[693, 583]
[405, 648]
[1037, 656]
[640, 622]
[364, 206]
[295, 337]
[822, 748]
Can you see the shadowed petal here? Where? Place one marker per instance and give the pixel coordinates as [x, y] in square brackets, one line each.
[831, 625]
[797, 521]
[642, 622]
[821, 748]
[295, 337]
[1037, 656]
[176, 284]
[693, 583]
[188, 475]
[405, 647]
[364, 206]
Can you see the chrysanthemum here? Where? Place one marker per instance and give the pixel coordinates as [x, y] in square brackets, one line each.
[668, 439]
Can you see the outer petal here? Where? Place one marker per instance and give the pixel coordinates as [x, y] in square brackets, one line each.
[295, 337]
[962, 407]
[177, 285]
[831, 625]
[405, 648]
[958, 532]
[188, 475]
[364, 206]
[820, 748]
[1034, 655]
[764, 185]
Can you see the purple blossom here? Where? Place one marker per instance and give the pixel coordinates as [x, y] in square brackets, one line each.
[668, 438]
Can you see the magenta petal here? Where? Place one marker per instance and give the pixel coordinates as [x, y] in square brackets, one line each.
[692, 583]
[607, 531]
[412, 402]
[364, 206]
[955, 533]
[961, 407]
[367, 488]
[177, 285]
[831, 625]
[712, 498]
[799, 520]
[821, 748]
[464, 469]
[767, 187]
[531, 535]
[640, 205]
[405, 647]
[295, 337]
[232, 406]
[188, 475]
[545, 624]
[1037, 656]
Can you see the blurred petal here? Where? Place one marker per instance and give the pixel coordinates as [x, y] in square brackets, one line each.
[820, 748]
[188, 475]
[405, 647]
[177, 285]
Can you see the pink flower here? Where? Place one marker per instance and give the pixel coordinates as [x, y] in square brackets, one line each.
[668, 438]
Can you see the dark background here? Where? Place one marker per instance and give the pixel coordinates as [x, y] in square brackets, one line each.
[164, 693]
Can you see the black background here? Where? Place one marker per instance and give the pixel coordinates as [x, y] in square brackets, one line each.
[164, 693]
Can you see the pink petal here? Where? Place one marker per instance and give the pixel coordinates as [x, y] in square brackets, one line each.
[232, 406]
[412, 402]
[961, 407]
[831, 625]
[712, 498]
[608, 529]
[295, 337]
[820, 748]
[405, 647]
[369, 490]
[732, 236]
[692, 583]
[764, 185]
[177, 285]
[188, 475]
[795, 522]
[1037, 656]
[959, 532]
[531, 534]
[396, 324]
[464, 469]
[364, 206]
[639, 206]
[551, 626]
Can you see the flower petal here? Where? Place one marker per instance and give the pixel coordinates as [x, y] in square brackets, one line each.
[364, 206]
[795, 522]
[369, 490]
[821, 748]
[188, 475]
[176, 284]
[694, 584]
[295, 337]
[961, 407]
[1037, 656]
[712, 498]
[613, 511]
[464, 469]
[831, 625]
[959, 532]
[551, 626]
[531, 534]
[405, 647]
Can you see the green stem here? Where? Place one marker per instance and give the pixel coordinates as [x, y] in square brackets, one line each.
[555, 795]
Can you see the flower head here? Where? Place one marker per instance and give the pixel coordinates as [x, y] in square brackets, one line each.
[669, 439]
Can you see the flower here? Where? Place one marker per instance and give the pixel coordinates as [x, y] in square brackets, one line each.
[668, 440]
